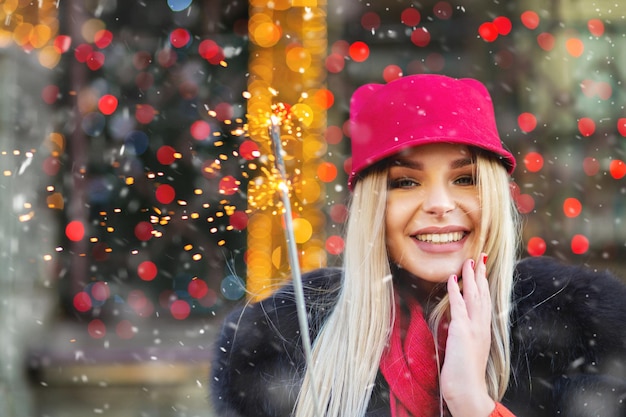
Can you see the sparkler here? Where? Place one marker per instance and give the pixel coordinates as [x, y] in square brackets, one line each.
[283, 189]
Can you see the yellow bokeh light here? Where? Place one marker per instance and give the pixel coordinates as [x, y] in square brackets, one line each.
[40, 36]
[298, 59]
[49, 57]
[302, 230]
[267, 34]
[303, 113]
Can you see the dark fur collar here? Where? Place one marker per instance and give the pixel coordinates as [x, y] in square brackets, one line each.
[568, 346]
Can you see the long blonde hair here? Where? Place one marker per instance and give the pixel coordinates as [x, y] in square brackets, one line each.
[348, 348]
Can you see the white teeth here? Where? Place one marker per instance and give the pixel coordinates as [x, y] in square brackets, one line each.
[441, 237]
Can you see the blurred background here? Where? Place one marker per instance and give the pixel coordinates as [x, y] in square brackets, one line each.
[138, 188]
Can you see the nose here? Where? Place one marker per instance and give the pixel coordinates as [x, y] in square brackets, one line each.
[438, 200]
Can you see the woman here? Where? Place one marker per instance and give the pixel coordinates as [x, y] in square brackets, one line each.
[431, 314]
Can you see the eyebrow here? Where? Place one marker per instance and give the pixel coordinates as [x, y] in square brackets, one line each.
[456, 164]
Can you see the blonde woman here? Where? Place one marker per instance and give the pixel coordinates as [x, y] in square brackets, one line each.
[431, 314]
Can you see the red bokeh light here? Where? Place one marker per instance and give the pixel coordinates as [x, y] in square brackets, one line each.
[75, 230]
[82, 302]
[333, 135]
[62, 43]
[228, 185]
[51, 166]
[370, 21]
[50, 94]
[530, 19]
[586, 126]
[100, 291]
[239, 220]
[334, 245]
[572, 207]
[617, 169]
[224, 111]
[591, 166]
[359, 51]
[525, 203]
[82, 52]
[488, 31]
[546, 41]
[503, 24]
[143, 231]
[327, 172]
[410, 17]
[621, 126]
[392, 72]
[249, 150]
[200, 130]
[166, 155]
[96, 329]
[420, 37]
[335, 63]
[533, 161]
[179, 38]
[95, 60]
[442, 10]
[197, 288]
[107, 104]
[596, 27]
[103, 38]
[165, 193]
[147, 270]
[144, 113]
[208, 49]
[324, 98]
[580, 244]
[180, 309]
[527, 122]
[536, 246]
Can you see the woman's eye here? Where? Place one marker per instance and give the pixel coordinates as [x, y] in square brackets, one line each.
[402, 183]
[465, 180]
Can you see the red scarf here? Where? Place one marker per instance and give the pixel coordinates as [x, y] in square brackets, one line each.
[409, 364]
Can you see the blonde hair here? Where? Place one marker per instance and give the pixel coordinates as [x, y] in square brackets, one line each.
[348, 348]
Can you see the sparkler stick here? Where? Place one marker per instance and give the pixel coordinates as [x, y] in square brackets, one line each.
[283, 188]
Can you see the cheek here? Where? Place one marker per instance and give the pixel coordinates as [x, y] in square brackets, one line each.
[397, 214]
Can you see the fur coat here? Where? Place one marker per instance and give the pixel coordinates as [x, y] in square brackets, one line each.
[568, 346]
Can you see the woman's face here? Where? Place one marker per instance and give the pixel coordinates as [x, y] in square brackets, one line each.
[433, 210]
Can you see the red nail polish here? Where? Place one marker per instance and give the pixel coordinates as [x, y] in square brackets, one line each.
[472, 263]
[456, 279]
[485, 259]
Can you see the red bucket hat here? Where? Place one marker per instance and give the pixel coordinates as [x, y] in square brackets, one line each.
[418, 110]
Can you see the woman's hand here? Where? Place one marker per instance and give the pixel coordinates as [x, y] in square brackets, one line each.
[463, 384]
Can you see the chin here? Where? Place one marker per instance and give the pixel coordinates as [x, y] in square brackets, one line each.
[430, 275]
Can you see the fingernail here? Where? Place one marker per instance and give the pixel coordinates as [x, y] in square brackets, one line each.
[456, 279]
[484, 259]
[472, 263]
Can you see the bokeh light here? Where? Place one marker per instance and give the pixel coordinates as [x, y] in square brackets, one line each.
[579, 244]
[527, 122]
[533, 161]
[410, 17]
[572, 207]
[536, 246]
[530, 19]
[147, 270]
[359, 51]
[75, 230]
